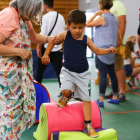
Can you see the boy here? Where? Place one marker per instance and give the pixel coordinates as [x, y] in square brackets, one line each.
[75, 70]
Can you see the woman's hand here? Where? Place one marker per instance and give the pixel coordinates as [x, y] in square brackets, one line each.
[45, 59]
[25, 54]
[56, 41]
[98, 13]
[112, 50]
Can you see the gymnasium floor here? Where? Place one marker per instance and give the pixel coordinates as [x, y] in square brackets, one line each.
[124, 118]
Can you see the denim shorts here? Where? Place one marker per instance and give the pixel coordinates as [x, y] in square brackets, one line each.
[128, 70]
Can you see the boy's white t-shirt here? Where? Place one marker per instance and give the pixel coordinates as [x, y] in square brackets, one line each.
[128, 61]
[48, 21]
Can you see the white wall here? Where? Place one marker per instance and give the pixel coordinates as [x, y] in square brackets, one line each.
[132, 8]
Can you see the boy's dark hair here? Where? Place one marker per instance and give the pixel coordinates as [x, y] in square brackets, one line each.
[76, 16]
[49, 3]
[105, 4]
[129, 48]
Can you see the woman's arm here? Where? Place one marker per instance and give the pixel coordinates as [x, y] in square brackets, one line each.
[98, 22]
[11, 51]
[39, 39]
[97, 50]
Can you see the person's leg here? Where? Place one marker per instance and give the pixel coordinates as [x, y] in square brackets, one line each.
[88, 129]
[62, 102]
[66, 79]
[56, 60]
[120, 73]
[103, 76]
[114, 84]
[114, 81]
[40, 67]
[134, 73]
[121, 80]
[87, 110]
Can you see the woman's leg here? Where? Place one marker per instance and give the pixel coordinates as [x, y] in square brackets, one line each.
[114, 81]
[103, 76]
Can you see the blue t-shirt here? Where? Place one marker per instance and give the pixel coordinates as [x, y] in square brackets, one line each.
[75, 54]
[106, 36]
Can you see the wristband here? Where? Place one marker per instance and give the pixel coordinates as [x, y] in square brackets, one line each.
[47, 39]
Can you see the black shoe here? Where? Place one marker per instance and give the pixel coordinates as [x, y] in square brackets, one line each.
[130, 86]
[109, 96]
[121, 97]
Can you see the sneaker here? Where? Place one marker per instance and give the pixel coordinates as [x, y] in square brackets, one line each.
[89, 130]
[113, 101]
[101, 104]
[62, 102]
[121, 97]
[130, 86]
[109, 96]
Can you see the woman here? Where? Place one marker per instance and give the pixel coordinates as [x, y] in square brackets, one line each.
[17, 92]
[105, 37]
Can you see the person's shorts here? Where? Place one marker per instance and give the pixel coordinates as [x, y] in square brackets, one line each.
[128, 70]
[119, 62]
[68, 79]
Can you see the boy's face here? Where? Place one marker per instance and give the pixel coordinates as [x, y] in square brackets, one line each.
[76, 30]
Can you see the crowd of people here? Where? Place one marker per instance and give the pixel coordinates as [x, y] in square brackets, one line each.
[17, 92]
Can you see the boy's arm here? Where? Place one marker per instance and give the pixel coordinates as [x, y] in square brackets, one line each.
[98, 51]
[45, 58]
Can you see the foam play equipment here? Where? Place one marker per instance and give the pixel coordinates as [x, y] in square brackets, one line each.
[70, 118]
[108, 134]
[55, 135]
[42, 96]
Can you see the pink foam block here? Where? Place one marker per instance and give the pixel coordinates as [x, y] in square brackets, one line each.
[70, 117]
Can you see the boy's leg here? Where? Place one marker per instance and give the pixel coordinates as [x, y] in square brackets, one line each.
[88, 129]
[62, 102]
[87, 110]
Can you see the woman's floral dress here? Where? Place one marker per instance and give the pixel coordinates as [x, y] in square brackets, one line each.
[17, 92]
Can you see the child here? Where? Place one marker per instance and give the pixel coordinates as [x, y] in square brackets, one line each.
[133, 39]
[131, 69]
[105, 36]
[76, 70]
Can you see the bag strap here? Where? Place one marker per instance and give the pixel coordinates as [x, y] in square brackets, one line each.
[53, 25]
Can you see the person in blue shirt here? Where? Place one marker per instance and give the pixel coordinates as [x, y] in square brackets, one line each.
[106, 30]
[76, 69]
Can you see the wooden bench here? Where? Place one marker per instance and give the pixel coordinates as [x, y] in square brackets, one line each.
[97, 80]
